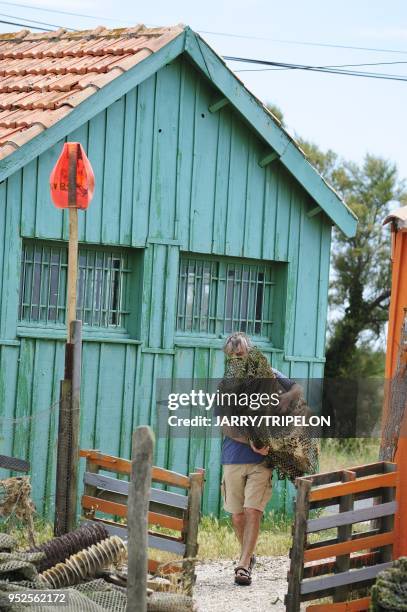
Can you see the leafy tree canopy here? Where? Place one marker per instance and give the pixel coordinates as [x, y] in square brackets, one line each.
[360, 279]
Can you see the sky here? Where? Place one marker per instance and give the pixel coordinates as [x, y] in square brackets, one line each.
[351, 115]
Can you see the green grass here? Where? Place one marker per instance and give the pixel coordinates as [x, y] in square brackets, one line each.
[216, 536]
[337, 454]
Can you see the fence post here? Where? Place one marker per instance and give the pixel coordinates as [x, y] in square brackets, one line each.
[76, 339]
[137, 522]
[64, 429]
[191, 544]
[68, 435]
[293, 597]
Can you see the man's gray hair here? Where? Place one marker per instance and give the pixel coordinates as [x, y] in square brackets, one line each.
[236, 342]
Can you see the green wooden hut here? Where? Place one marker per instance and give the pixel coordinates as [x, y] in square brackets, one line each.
[207, 218]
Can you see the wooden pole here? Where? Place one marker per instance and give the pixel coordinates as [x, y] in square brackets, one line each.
[76, 336]
[191, 544]
[64, 426]
[138, 500]
[293, 597]
[73, 240]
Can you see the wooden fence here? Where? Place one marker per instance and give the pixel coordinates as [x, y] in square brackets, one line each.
[340, 566]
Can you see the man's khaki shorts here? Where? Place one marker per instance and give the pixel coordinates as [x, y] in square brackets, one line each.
[246, 485]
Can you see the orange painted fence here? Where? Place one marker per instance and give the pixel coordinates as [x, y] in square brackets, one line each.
[398, 304]
[340, 564]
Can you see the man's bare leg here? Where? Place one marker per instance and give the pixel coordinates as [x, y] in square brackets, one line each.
[238, 522]
[252, 520]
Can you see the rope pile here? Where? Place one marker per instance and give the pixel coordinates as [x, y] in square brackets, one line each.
[15, 501]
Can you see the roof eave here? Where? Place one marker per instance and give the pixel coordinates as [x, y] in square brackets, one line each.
[215, 69]
[91, 106]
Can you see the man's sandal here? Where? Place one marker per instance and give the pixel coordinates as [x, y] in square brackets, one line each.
[243, 576]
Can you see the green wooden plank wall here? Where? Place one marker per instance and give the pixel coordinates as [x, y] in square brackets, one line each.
[170, 177]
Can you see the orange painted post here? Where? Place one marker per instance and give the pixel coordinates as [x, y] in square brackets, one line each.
[397, 317]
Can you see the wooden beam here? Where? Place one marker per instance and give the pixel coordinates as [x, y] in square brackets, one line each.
[361, 484]
[12, 463]
[344, 578]
[354, 516]
[343, 548]
[109, 507]
[328, 567]
[356, 605]
[123, 466]
[314, 211]
[114, 485]
[268, 158]
[218, 104]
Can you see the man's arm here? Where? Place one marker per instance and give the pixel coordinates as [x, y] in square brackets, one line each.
[233, 434]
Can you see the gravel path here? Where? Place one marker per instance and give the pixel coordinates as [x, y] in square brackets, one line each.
[215, 591]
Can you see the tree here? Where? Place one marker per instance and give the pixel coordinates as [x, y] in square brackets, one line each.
[360, 287]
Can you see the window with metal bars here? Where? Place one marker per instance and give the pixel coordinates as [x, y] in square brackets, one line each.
[101, 289]
[220, 296]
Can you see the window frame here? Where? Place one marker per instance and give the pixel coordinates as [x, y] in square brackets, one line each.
[54, 329]
[223, 264]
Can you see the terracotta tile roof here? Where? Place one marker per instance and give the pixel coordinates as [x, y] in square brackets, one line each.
[44, 76]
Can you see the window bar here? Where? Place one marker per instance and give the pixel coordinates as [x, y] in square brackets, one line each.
[194, 296]
[186, 293]
[89, 304]
[32, 285]
[201, 297]
[110, 293]
[240, 313]
[101, 292]
[233, 319]
[60, 266]
[249, 327]
[49, 290]
[263, 294]
[23, 278]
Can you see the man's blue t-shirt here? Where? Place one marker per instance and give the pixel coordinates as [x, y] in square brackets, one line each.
[238, 452]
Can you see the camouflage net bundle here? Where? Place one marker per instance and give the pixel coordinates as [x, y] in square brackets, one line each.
[292, 450]
[15, 501]
[19, 574]
[390, 589]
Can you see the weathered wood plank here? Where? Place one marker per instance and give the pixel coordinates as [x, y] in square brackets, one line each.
[361, 484]
[332, 541]
[344, 578]
[158, 541]
[328, 567]
[292, 600]
[341, 548]
[122, 466]
[99, 505]
[140, 483]
[106, 483]
[191, 540]
[354, 516]
[357, 605]
[12, 463]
